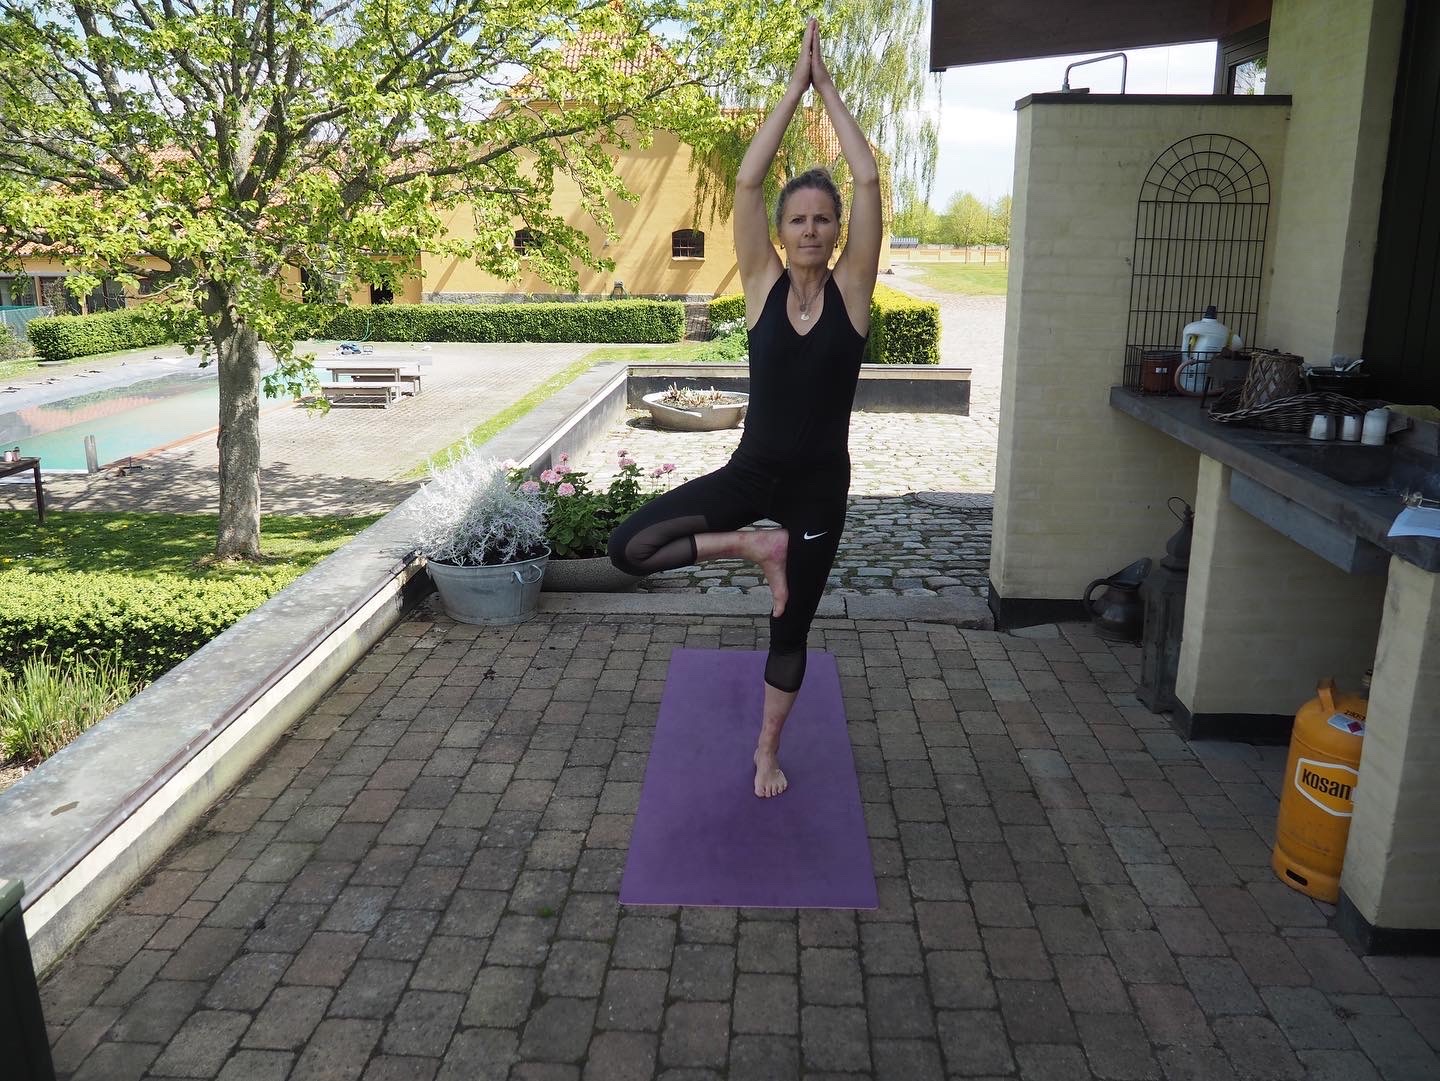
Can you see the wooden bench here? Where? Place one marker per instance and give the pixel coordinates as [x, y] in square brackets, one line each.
[365, 392]
[375, 371]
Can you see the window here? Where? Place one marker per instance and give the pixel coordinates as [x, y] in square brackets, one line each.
[382, 294]
[311, 286]
[524, 240]
[687, 244]
[1240, 61]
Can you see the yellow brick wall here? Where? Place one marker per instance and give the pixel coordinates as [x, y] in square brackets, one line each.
[662, 178]
[1080, 488]
[1394, 842]
[1266, 619]
[1338, 59]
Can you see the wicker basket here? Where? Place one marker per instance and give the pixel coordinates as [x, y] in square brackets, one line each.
[1272, 375]
[1292, 413]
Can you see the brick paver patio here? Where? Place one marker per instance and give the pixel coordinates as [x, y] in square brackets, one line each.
[421, 879]
[421, 882]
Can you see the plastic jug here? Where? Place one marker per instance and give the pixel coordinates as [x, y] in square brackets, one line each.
[1200, 341]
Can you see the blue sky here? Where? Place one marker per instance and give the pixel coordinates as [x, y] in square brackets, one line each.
[977, 117]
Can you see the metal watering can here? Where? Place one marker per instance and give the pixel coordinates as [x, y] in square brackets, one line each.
[1118, 613]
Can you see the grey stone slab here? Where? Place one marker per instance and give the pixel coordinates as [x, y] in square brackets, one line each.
[202, 1044]
[834, 1038]
[288, 1018]
[974, 1042]
[695, 1034]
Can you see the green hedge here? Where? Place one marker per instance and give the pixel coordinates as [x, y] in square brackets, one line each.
[727, 309]
[734, 347]
[153, 623]
[903, 330]
[64, 337]
[626, 321]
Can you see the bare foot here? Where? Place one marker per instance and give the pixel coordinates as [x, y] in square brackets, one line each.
[769, 551]
[769, 781]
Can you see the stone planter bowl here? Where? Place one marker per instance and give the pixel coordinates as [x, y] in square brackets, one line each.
[706, 418]
[593, 574]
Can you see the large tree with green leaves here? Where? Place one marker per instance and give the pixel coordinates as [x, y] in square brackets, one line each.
[206, 145]
[877, 52]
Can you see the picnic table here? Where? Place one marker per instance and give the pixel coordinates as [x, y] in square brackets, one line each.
[9, 469]
[372, 380]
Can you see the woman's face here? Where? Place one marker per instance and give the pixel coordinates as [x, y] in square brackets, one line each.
[809, 228]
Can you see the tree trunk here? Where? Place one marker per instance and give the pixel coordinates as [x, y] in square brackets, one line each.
[238, 349]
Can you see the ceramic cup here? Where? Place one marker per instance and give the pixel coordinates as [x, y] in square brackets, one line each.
[1376, 427]
[1350, 428]
[1322, 426]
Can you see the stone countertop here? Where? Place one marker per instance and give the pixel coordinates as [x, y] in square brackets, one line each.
[1252, 453]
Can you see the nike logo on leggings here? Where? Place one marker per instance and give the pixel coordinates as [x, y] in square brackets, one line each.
[812, 536]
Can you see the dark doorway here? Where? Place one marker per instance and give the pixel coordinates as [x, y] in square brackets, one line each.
[1402, 333]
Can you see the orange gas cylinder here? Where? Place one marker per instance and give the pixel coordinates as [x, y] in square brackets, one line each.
[1318, 795]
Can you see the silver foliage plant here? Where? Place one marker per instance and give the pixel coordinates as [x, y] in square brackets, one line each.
[470, 516]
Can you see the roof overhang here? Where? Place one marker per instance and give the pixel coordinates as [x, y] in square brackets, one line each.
[985, 31]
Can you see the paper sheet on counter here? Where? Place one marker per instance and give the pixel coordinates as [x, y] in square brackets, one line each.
[1416, 522]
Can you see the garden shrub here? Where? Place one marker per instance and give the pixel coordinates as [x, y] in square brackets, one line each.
[64, 337]
[903, 330]
[623, 321]
[150, 624]
[48, 703]
[727, 309]
[13, 347]
[734, 347]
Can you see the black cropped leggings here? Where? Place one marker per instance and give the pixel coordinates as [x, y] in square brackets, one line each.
[810, 503]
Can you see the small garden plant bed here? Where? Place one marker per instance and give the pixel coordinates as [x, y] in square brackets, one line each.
[95, 606]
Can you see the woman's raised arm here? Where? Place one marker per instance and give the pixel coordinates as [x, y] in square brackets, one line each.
[759, 265]
[858, 265]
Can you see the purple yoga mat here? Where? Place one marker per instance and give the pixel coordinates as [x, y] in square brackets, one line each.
[702, 837]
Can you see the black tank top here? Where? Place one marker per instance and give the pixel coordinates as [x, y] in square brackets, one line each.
[802, 387]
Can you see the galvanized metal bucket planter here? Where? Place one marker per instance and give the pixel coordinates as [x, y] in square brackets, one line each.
[704, 418]
[491, 596]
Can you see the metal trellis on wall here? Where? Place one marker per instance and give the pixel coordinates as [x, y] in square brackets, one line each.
[1199, 240]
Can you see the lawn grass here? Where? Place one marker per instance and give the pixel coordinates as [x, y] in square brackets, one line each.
[489, 428]
[148, 544]
[966, 279]
[678, 353]
[9, 369]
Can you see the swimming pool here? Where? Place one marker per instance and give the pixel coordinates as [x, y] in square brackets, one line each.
[124, 420]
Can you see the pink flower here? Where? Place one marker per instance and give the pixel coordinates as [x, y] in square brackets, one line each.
[509, 463]
[626, 463]
[668, 467]
[566, 489]
[564, 457]
[530, 487]
[550, 476]
[624, 453]
[562, 469]
[657, 472]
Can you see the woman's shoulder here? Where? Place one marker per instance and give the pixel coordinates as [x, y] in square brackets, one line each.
[856, 293]
[759, 291]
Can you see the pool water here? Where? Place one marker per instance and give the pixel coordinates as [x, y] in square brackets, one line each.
[124, 420]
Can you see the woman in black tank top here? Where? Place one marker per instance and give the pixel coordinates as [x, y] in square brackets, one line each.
[808, 325]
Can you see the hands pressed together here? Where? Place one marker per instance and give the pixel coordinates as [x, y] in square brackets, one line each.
[810, 67]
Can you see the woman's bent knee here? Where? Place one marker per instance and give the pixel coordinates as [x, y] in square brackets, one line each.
[615, 549]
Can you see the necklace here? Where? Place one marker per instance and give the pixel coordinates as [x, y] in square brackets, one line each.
[804, 303]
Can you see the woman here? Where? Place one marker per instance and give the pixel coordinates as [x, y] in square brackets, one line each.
[807, 329]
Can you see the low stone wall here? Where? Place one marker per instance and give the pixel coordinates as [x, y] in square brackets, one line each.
[883, 388]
